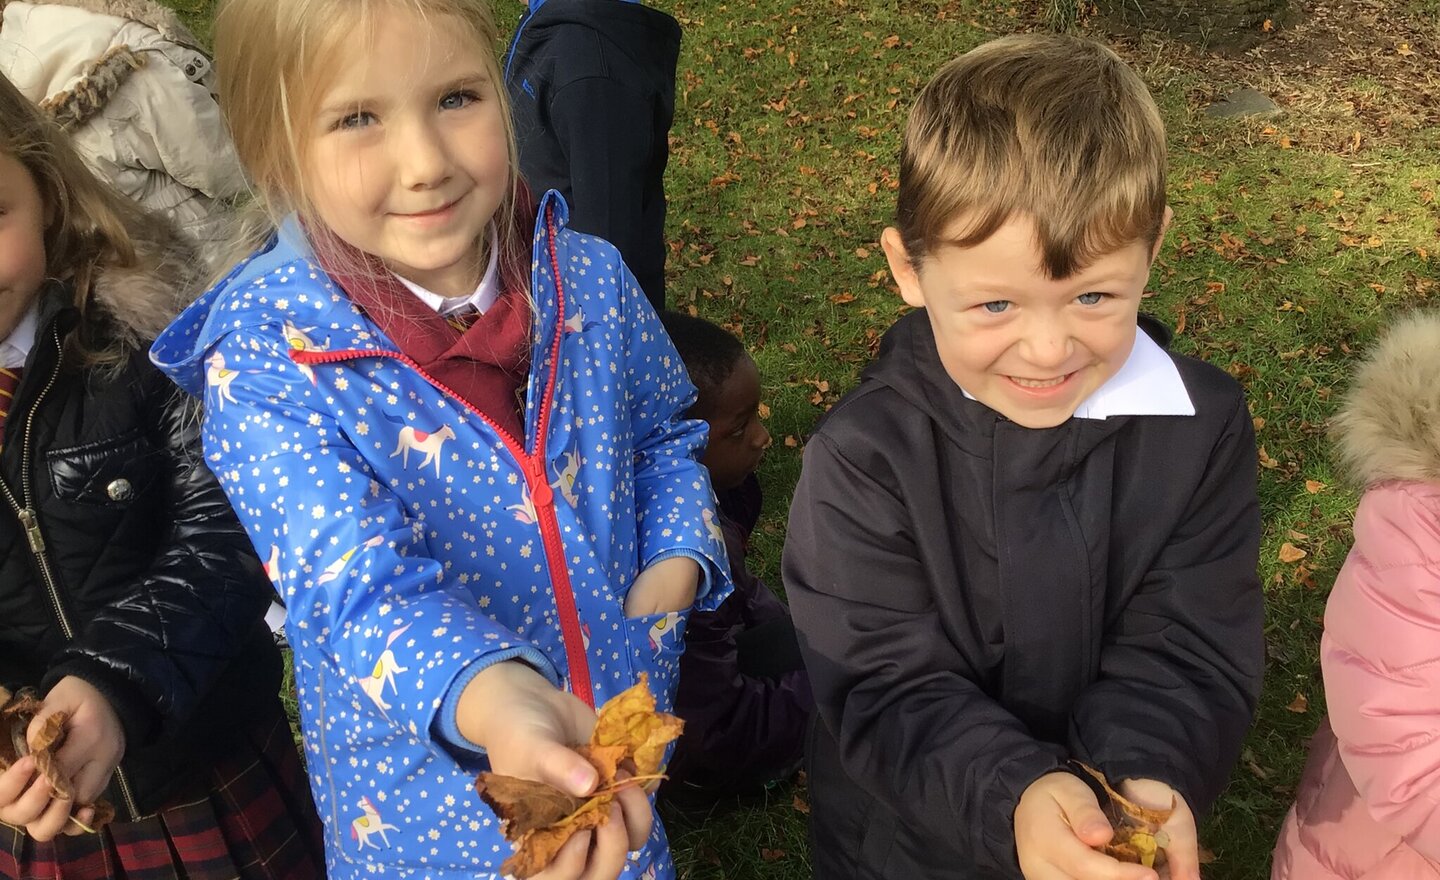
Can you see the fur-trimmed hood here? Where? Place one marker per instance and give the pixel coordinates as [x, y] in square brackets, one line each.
[147, 12]
[1389, 426]
[131, 305]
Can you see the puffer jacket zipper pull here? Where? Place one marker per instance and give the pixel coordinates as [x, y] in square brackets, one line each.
[32, 530]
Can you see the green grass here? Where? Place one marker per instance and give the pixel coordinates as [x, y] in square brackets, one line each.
[1287, 253]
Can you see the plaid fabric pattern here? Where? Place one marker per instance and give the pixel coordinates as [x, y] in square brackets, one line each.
[9, 381]
[258, 823]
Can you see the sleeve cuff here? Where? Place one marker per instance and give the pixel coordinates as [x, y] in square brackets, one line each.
[446, 728]
[702, 590]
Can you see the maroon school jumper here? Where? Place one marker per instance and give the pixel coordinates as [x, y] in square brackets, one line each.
[486, 365]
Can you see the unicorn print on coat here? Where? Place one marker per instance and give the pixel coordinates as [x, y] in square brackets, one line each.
[369, 824]
[218, 377]
[565, 484]
[428, 442]
[333, 570]
[384, 672]
[299, 340]
[519, 550]
[665, 632]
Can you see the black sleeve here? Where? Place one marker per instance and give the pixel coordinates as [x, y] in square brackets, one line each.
[164, 644]
[912, 725]
[1181, 668]
[605, 129]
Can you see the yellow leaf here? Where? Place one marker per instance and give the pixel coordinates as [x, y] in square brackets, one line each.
[763, 410]
[1314, 487]
[1404, 50]
[1290, 553]
[1266, 461]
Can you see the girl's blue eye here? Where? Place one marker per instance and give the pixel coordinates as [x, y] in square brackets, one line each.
[355, 120]
[457, 100]
[995, 307]
[1091, 298]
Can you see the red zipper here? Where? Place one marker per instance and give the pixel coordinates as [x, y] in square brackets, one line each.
[533, 464]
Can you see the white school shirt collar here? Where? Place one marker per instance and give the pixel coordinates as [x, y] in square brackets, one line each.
[16, 347]
[481, 300]
[1147, 384]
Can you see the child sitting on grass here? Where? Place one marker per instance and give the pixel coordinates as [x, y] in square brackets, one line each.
[743, 692]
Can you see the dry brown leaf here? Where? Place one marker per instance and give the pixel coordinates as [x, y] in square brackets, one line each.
[1138, 837]
[537, 849]
[524, 805]
[1290, 553]
[1314, 487]
[605, 759]
[1300, 705]
[17, 711]
[539, 819]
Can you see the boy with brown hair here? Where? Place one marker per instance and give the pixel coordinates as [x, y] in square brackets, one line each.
[1029, 538]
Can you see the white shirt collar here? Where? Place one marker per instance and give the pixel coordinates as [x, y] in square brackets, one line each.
[481, 300]
[16, 347]
[1147, 384]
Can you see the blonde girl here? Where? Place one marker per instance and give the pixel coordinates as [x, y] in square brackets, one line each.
[454, 430]
[129, 596]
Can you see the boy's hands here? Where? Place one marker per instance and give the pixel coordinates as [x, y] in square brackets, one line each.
[1057, 822]
[527, 726]
[668, 585]
[1182, 853]
[94, 739]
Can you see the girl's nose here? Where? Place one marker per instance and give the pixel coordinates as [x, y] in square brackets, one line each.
[422, 159]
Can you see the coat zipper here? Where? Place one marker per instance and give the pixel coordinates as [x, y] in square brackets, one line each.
[533, 464]
[31, 523]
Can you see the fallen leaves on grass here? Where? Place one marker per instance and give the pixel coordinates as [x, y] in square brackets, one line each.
[1138, 839]
[629, 735]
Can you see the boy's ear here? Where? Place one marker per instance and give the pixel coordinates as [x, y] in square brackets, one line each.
[1160, 238]
[901, 269]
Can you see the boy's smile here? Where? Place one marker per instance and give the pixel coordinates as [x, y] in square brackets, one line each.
[1030, 347]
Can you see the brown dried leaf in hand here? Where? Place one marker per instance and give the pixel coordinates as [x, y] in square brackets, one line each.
[539, 819]
[524, 805]
[605, 759]
[629, 719]
[536, 850]
[1138, 837]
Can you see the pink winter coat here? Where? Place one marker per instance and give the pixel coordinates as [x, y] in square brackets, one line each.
[1369, 800]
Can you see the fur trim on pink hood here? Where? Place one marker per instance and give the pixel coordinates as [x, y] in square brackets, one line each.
[1369, 802]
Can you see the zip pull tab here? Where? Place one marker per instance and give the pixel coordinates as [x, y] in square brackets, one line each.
[32, 530]
[541, 494]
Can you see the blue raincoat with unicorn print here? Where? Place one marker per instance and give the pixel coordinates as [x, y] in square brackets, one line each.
[416, 543]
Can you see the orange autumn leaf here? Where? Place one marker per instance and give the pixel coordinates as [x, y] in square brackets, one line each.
[1138, 837]
[539, 819]
[1290, 553]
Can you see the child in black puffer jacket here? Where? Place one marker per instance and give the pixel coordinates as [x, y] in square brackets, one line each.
[130, 600]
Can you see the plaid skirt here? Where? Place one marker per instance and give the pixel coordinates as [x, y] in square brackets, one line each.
[258, 823]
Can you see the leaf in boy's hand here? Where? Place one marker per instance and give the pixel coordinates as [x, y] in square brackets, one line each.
[524, 805]
[539, 819]
[1138, 837]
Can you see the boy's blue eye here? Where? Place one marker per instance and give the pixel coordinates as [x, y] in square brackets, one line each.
[457, 100]
[995, 307]
[1091, 298]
